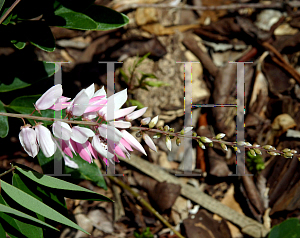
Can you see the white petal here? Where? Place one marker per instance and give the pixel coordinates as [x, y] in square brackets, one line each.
[120, 124]
[119, 99]
[133, 142]
[49, 97]
[79, 104]
[70, 163]
[122, 112]
[61, 130]
[136, 114]
[149, 142]
[100, 92]
[90, 91]
[96, 143]
[45, 140]
[27, 138]
[110, 132]
[81, 134]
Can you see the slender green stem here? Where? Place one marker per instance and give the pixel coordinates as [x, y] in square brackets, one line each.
[9, 10]
[8, 171]
[145, 203]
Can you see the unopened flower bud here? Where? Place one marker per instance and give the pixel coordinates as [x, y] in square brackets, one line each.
[220, 136]
[194, 134]
[153, 122]
[171, 137]
[267, 147]
[157, 136]
[248, 144]
[211, 144]
[171, 130]
[168, 143]
[160, 128]
[257, 151]
[224, 147]
[178, 141]
[286, 150]
[252, 152]
[201, 145]
[145, 121]
[166, 128]
[236, 149]
[288, 155]
[205, 139]
[294, 151]
[272, 153]
[241, 143]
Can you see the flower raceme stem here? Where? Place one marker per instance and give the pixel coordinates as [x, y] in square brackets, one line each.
[101, 132]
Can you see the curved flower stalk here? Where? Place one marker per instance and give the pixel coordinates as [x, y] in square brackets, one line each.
[107, 133]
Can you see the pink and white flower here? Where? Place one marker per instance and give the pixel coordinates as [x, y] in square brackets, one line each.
[48, 99]
[45, 140]
[27, 137]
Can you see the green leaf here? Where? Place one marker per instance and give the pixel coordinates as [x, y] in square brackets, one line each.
[136, 103]
[39, 34]
[16, 76]
[156, 83]
[106, 18]
[24, 105]
[65, 188]
[17, 214]
[67, 18]
[19, 44]
[288, 229]
[142, 59]
[3, 122]
[124, 75]
[35, 205]
[1, 4]
[2, 231]
[52, 198]
[7, 19]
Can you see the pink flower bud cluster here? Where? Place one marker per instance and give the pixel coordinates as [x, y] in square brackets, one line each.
[88, 142]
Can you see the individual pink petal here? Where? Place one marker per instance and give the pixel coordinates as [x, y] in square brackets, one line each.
[118, 150]
[145, 121]
[90, 115]
[92, 150]
[28, 139]
[49, 97]
[45, 140]
[149, 142]
[133, 142]
[136, 114]
[61, 103]
[81, 134]
[125, 143]
[84, 152]
[95, 106]
[61, 130]
[120, 124]
[66, 148]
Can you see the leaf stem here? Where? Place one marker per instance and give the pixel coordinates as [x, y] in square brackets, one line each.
[9, 10]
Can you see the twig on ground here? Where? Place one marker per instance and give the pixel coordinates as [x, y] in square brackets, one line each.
[145, 203]
[248, 225]
[273, 5]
